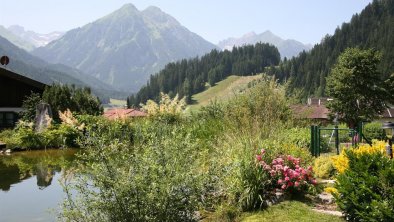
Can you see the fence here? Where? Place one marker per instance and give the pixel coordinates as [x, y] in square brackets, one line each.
[329, 140]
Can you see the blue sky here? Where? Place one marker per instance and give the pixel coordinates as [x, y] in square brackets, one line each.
[304, 20]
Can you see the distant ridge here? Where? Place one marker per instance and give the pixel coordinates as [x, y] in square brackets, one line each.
[125, 47]
[287, 48]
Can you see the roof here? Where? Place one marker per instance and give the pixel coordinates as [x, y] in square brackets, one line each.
[388, 113]
[114, 114]
[12, 75]
[310, 112]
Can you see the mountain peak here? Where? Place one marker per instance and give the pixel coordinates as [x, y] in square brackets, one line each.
[128, 7]
[249, 34]
[153, 9]
[158, 16]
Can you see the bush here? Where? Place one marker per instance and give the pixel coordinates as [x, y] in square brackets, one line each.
[286, 173]
[374, 131]
[323, 167]
[366, 186]
[160, 182]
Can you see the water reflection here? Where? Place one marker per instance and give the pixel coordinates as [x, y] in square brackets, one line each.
[29, 184]
[42, 164]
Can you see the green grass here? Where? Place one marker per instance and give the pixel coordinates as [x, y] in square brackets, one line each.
[223, 90]
[289, 211]
[117, 102]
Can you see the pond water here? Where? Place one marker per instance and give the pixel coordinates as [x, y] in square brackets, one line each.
[30, 188]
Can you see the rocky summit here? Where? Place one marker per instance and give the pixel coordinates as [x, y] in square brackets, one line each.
[125, 47]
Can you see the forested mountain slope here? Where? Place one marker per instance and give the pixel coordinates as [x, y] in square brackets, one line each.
[372, 28]
[188, 77]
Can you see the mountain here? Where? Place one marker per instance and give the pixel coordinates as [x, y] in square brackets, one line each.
[35, 68]
[16, 40]
[125, 47]
[287, 48]
[372, 28]
[35, 39]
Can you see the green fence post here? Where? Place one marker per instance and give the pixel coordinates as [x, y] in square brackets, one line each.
[360, 131]
[337, 139]
[317, 141]
[312, 148]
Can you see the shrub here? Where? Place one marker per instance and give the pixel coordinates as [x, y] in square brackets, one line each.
[374, 131]
[366, 188]
[160, 182]
[323, 167]
[285, 173]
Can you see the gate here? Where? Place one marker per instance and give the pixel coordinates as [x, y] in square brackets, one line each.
[328, 140]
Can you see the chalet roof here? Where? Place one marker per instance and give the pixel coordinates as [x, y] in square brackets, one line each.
[12, 75]
[310, 112]
[113, 114]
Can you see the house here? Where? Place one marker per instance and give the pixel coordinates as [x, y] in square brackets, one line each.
[316, 110]
[114, 114]
[14, 88]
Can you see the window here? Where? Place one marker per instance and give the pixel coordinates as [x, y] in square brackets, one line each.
[7, 119]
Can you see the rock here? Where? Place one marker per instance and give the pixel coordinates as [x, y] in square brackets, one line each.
[326, 198]
[8, 151]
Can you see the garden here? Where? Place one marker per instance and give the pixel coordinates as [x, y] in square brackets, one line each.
[239, 160]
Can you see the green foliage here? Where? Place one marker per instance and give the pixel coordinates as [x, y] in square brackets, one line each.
[78, 100]
[25, 137]
[29, 107]
[323, 167]
[160, 181]
[374, 131]
[262, 109]
[366, 188]
[356, 86]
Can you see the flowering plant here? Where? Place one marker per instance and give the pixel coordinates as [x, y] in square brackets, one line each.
[286, 173]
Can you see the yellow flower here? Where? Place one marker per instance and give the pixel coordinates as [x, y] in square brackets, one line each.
[341, 162]
[331, 190]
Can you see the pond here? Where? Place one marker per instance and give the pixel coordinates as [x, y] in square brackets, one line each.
[30, 188]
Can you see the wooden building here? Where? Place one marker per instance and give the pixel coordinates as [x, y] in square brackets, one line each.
[14, 88]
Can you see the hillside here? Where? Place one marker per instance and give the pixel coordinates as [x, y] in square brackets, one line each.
[25, 64]
[188, 77]
[125, 47]
[287, 48]
[372, 28]
[221, 91]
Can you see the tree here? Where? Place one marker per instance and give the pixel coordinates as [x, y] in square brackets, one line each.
[29, 107]
[356, 86]
[78, 100]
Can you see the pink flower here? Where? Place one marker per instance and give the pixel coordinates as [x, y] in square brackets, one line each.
[310, 168]
[280, 181]
[289, 184]
[262, 151]
[296, 184]
[283, 186]
[313, 181]
[285, 168]
[287, 178]
[258, 157]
